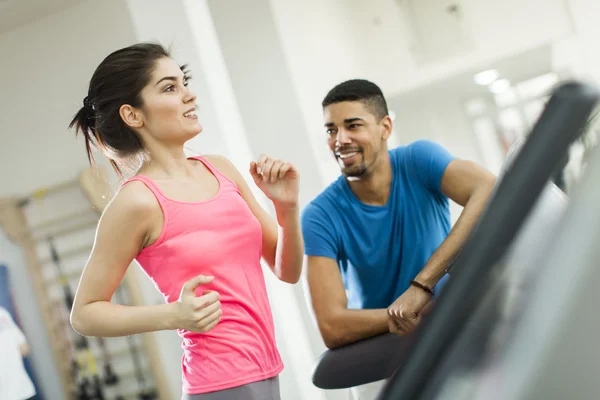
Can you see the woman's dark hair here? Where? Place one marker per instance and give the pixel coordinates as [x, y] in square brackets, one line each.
[118, 80]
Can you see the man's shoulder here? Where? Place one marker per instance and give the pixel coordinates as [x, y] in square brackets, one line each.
[417, 146]
[423, 156]
[426, 149]
[398, 153]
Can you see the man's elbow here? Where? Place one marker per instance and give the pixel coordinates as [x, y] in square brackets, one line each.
[332, 341]
[481, 192]
[487, 184]
[332, 335]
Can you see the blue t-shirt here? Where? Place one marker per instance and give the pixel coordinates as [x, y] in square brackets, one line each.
[379, 249]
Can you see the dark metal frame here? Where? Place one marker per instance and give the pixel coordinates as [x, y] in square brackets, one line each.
[563, 120]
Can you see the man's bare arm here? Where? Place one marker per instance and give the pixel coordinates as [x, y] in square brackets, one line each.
[469, 185]
[338, 324]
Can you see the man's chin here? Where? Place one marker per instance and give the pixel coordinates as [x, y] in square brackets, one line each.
[354, 171]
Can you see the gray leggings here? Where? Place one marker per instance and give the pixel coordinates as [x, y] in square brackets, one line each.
[261, 390]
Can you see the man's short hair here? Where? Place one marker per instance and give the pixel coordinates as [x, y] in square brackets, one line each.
[359, 90]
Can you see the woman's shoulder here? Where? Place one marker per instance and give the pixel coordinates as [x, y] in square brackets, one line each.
[218, 160]
[133, 199]
[224, 165]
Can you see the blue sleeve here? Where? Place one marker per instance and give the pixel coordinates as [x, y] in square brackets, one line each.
[429, 160]
[318, 233]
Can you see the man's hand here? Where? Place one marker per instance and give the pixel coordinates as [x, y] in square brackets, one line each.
[406, 312]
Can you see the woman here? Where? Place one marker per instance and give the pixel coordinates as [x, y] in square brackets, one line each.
[193, 226]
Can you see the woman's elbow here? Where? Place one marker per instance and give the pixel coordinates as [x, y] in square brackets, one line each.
[79, 323]
[292, 279]
[76, 322]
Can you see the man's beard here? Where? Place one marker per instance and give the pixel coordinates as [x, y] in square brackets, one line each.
[356, 171]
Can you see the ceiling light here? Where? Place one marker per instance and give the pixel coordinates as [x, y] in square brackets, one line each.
[500, 86]
[484, 78]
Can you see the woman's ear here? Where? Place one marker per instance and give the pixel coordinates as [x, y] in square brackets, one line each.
[131, 116]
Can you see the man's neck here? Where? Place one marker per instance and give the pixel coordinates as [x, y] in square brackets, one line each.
[374, 188]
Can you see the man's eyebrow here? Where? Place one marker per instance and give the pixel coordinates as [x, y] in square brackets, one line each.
[351, 120]
[346, 121]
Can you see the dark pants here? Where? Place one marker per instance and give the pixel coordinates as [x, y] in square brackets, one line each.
[261, 390]
[362, 362]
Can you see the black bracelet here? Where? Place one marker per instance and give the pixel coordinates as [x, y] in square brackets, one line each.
[421, 286]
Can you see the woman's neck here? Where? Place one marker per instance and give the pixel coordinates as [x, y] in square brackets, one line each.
[168, 163]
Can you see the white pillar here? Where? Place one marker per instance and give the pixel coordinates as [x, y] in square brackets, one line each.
[322, 48]
[239, 46]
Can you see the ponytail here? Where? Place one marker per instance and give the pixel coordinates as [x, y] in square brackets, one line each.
[85, 122]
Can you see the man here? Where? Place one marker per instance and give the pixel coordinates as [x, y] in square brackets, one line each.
[378, 240]
[15, 383]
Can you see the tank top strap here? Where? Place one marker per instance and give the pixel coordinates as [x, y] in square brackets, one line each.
[223, 179]
[160, 197]
[162, 202]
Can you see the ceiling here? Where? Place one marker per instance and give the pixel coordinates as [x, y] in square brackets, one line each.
[516, 68]
[16, 13]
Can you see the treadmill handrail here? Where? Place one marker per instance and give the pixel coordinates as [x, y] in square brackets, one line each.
[562, 121]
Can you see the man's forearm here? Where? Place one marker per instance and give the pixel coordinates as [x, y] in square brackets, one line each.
[437, 264]
[349, 326]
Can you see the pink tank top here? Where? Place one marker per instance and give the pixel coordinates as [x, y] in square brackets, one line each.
[218, 237]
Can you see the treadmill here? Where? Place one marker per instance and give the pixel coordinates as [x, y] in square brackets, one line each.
[494, 331]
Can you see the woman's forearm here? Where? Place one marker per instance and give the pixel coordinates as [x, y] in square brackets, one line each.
[106, 319]
[290, 245]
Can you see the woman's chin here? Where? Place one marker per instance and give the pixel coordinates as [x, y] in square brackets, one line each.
[184, 135]
[198, 130]
[196, 127]
[193, 132]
